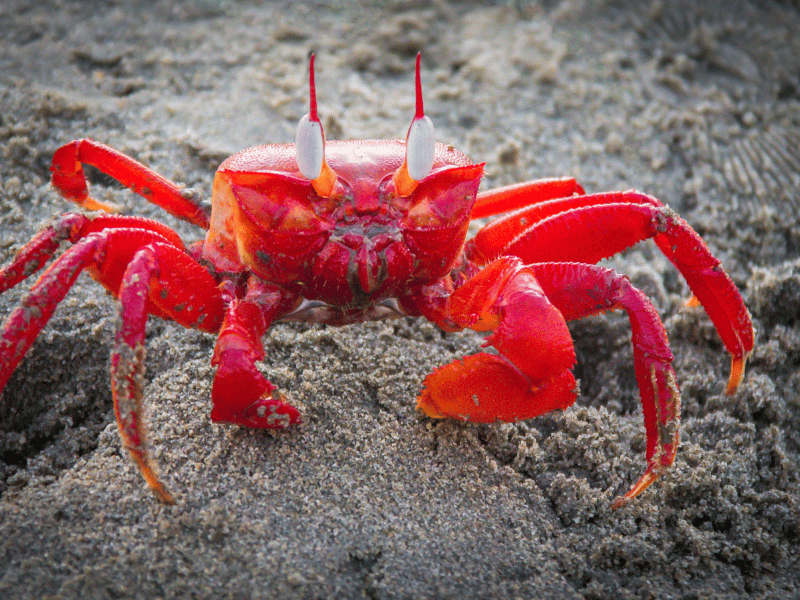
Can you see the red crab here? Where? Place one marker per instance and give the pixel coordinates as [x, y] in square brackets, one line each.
[346, 231]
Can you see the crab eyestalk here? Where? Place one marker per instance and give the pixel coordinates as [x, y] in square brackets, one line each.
[310, 145]
[420, 147]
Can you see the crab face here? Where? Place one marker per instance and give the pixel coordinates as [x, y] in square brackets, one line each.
[345, 223]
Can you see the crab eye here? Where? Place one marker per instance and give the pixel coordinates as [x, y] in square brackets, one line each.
[309, 145]
[420, 146]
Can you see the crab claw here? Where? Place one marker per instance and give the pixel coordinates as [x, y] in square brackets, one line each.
[241, 394]
[310, 145]
[420, 146]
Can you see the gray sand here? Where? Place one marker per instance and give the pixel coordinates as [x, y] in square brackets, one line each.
[369, 499]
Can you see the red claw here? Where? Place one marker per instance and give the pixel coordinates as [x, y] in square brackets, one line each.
[530, 376]
[241, 394]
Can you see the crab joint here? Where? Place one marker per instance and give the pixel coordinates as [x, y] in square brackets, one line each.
[420, 146]
[310, 145]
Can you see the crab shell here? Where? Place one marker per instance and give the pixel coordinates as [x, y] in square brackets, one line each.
[355, 248]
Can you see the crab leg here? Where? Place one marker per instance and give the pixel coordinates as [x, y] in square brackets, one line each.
[579, 290]
[26, 321]
[68, 178]
[530, 376]
[31, 257]
[495, 238]
[512, 197]
[241, 394]
[71, 226]
[186, 293]
[590, 228]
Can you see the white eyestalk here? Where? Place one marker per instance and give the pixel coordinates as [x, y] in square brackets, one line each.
[309, 145]
[420, 146]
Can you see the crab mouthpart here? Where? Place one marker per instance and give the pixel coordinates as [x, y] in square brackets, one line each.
[367, 270]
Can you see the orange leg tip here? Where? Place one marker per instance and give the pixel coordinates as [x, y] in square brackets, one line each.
[692, 302]
[142, 461]
[644, 482]
[737, 374]
[163, 495]
[426, 405]
[90, 203]
[620, 501]
[159, 489]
